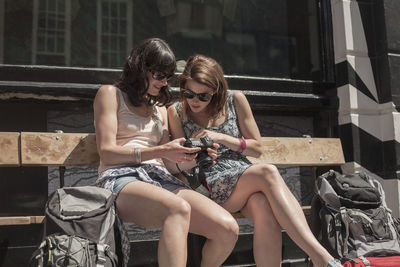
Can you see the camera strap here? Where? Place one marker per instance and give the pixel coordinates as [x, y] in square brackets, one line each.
[196, 179]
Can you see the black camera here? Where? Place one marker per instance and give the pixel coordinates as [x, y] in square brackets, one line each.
[203, 160]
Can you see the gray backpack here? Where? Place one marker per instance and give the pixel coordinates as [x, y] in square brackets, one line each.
[79, 229]
[350, 217]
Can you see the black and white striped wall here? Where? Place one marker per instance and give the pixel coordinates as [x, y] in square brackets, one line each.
[367, 58]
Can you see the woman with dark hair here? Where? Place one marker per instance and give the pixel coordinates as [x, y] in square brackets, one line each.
[136, 157]
[207, 108]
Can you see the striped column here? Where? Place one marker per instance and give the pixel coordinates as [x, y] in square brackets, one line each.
[368, 119]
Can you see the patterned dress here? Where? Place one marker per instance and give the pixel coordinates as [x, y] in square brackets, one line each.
[222, 176]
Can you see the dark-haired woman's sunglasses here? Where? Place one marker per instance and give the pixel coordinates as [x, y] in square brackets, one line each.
[204, 97]
[159, 75]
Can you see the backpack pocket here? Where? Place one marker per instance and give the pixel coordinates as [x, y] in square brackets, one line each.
[368, 225]
[368, 230]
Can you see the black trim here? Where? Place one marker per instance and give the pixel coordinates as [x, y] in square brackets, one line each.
[37, 73]
[347, 75]
[370, 152]
[326, 39]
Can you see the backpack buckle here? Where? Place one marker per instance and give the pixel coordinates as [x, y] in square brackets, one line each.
[101, 255]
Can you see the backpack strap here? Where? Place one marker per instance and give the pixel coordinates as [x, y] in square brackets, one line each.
[113, 257]
[38, 255]
[365, 261]
[346, 220]
[101, 255]
[103, 251]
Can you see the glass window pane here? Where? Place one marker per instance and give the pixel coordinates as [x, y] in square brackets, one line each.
[51, 5]
[41, 43]
[60, 44]
[114, 9]
[105, 8]
[51, 42]
[105, 26]
[60, 6]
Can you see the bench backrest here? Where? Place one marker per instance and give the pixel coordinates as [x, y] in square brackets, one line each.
[79, 149]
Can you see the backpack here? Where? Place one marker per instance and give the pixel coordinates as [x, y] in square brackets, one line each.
[79, 229]
[350, 218]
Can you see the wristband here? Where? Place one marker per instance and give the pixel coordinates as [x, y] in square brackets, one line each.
[242, 145]
[136, 155]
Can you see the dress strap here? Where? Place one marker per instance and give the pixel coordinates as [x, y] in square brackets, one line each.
[231, 106]
[122, 103]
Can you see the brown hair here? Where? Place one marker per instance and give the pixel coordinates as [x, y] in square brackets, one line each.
[208, 72]
[151, 54]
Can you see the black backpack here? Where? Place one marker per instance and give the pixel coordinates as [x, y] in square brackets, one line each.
[350, 218]
[79, 229]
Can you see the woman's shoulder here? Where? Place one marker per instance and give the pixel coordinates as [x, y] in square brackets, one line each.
[107, 90]
[172, 110]
[238, 95]
[239, 99]
[175, 111]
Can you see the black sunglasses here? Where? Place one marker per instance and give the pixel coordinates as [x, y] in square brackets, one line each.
[159, 75]
[204, 97]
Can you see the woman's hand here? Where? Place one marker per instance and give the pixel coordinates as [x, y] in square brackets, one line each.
[212, 152]
[215, 136]
[176, 152]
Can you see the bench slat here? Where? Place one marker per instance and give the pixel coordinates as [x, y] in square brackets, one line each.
[73, 149]
[60, 149]
[306, 210]
[9, 149]
[289, 151]
[20, 220]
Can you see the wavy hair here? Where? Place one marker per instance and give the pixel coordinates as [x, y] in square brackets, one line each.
[208, 72]
[151, 54]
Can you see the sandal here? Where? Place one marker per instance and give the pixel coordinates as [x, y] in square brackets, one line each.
[333, 263]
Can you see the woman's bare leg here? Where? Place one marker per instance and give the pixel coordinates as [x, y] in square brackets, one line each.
[213, 222]
[267, 238]
[286, 209]
[153, 207]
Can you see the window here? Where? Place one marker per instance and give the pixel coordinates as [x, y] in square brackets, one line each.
[114, 32]
[51, 32]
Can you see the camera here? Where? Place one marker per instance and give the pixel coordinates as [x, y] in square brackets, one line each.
[203, 160]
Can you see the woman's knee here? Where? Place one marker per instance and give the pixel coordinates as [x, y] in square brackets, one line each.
[178, 212]
[270, 174]
[257, 203]
[228, 231]
[260, 209]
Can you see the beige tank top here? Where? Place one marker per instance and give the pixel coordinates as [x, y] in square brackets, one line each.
[136, 131]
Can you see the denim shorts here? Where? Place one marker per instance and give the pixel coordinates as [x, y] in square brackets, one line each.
[124, 180]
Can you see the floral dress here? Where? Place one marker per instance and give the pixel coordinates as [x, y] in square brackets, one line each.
[222, 176]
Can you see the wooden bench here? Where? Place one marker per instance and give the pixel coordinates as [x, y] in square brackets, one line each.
[79, 149]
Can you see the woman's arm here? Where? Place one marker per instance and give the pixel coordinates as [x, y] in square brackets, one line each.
[106, 124]
[188, 161]
[176, 131]
[105, 120]
[247, 125]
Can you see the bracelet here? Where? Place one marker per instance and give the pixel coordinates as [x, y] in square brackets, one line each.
[242, 145]
[136, 155]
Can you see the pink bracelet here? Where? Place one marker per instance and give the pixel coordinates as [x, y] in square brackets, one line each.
[242, 145]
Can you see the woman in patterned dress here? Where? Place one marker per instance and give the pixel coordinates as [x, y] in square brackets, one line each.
[207, 108]
[136, 157]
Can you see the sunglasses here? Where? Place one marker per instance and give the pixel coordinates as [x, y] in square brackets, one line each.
[159, 75]
[204, 97]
